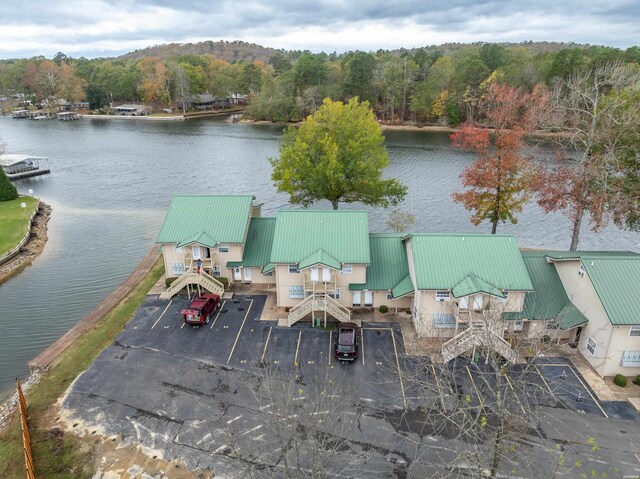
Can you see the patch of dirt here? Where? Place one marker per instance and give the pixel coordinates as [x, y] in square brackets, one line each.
[33, 248]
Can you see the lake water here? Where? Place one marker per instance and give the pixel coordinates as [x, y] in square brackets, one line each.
[112, 182]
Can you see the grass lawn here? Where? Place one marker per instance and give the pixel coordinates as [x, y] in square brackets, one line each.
[14, 221]
[62, 455]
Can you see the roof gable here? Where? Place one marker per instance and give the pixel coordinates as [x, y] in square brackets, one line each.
[220, 218]
[472, 284]
[320, 257]
[443, 260]
[343, 235]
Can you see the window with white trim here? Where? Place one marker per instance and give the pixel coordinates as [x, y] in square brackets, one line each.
[216, 270]
[335, 295]
[177, 250]
[552, 324]
[347, 269]
[463, 303]
[296, 291]
[505, 297]
[630, 359]
[441, 321]
[270, 273]
[177, 268]
[223, 248]
[581, 270]
[591, 346]
[443, 296]
[293, 268]
[634, 331]
[389, 294]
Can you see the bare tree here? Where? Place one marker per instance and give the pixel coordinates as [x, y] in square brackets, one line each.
[183, 87]
[595, 114]
[400, 221]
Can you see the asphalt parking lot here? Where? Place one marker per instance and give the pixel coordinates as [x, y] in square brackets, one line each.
[179, 390]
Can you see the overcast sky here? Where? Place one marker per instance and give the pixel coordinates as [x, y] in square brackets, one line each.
[94, 28]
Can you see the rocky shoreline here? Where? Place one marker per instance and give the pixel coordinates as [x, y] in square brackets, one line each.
[34, 247]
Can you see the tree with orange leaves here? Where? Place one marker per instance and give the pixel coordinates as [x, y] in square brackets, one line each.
[500, 182]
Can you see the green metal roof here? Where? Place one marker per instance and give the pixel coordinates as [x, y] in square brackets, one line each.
[548, 300]
[200, 238]
[443, 260]
[221, 218]
[257, 248]
[320, 257]
[570, 317]
[388, 261]
[268, 268]
[573, 255]
[342, 234]
[403, 288]
[357, 286]
[472, 284]
[617, 283]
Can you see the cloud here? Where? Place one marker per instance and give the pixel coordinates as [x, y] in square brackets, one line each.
[111, 27]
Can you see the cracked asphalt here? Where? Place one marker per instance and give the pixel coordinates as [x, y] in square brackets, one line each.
[244, 398]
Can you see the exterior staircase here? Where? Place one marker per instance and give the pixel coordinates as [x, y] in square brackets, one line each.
[479, 336]
[318, 302]
[194, 279]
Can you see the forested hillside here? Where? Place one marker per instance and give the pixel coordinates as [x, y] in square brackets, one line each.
[440, 84]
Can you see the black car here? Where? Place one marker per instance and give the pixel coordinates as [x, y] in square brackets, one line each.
[347, 342]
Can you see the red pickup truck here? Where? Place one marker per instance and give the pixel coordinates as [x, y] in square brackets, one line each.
[201, 309]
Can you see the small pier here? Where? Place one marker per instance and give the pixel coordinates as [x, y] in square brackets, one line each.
[68, 116]
[32, 114]
[17, 167]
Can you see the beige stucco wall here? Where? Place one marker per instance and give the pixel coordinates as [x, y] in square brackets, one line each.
[620, 342]
[583, 295]
[170, 257]
[258, 278]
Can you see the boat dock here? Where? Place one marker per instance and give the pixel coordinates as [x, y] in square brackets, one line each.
[68, 116]
[17, 167]
[32, 114]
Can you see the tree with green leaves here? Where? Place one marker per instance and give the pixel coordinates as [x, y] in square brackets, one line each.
[337, 154]
[7, 190]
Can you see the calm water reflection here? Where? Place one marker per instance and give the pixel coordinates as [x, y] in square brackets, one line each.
[112, 181]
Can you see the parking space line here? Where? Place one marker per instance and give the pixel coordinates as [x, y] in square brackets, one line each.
[264, 351]
[219, 311]
[362, 344]
[395, 351]
[475, 387]
[515, 395]
[295, 360]
[329, 355]
[165, 310]
[435, 376]
[239, 331]
[543, 379]
[587, 389]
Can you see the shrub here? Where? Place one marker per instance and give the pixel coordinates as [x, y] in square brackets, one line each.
[546, 338]
[620, 380]
[636, 381]
[223, 280]
[383, 309]
[168, 281]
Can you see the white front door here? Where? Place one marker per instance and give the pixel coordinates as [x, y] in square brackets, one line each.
[247, 274]
[196, 252]
[477, 302]
[357, 298]
[314, 273]
[326, 275]
[237, 274]
[368, 298]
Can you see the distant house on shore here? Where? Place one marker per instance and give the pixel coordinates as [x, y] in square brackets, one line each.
[207, 101]
[132, 110]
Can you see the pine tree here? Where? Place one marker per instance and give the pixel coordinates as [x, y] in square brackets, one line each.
[7, 190]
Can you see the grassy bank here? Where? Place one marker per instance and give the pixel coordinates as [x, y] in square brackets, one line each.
[14, 221]
[59, 455]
